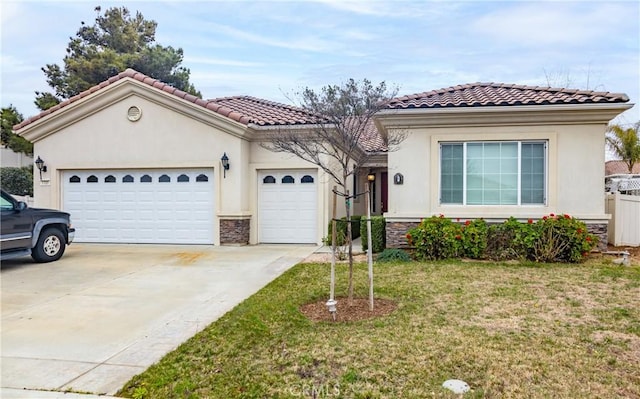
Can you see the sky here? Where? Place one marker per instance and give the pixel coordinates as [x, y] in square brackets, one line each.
[272, 49]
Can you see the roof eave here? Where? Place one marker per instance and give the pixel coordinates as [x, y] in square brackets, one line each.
[500, 115]
[115, 92]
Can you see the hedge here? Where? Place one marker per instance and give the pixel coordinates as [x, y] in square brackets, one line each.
[378, 234]
[341, 229]
[17, 181]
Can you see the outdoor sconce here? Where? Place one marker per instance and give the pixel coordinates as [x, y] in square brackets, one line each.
[398, 178]
[371, 177]
[225, 164]
[41, 166]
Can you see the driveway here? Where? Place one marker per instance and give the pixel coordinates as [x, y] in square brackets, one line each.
[104, 313]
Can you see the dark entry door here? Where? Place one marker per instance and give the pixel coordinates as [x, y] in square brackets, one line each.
[384, 193]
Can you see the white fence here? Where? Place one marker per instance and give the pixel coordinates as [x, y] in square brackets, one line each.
[624, 226]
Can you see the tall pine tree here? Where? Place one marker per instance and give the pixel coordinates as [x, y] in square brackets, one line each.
[116, 41]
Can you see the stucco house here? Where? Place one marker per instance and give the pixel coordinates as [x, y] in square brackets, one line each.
[495, 150]
[137, 161]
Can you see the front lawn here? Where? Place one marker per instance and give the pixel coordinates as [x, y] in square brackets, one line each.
[530, 331]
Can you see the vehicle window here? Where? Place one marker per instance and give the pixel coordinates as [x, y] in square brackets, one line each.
[6, 204]
[202, 178]
[183, 179]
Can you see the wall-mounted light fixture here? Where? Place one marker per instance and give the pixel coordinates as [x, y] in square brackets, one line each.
[225, 164]
[371, 177]
[398, 178]
[41, 166]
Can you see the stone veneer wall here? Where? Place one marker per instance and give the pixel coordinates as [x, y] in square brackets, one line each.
[397, 234]
[234, 231]
[601, 231]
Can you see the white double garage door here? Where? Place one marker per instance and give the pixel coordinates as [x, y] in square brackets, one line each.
[177, 206]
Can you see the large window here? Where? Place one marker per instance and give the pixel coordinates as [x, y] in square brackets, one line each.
[493, 173]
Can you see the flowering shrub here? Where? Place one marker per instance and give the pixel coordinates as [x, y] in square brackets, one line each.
[436, 238]
[474, 238]
[554, 238]
[561, 238]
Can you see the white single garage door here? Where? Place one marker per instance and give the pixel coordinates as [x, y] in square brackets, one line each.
[173, 206]
[287, 210]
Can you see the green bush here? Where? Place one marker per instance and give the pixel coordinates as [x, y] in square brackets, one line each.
[17, 181]
[436, 238]
[509, 240]
[341, 230]
[378, 234]
[474, 238]
[561, 238]
[393, 255]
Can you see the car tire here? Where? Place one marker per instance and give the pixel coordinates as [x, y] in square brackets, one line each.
[50, 246]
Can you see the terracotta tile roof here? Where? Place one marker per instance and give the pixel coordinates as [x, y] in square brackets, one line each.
[267, 113]
[619, 167]
[245, 110]
[370, 140]
[492, 94]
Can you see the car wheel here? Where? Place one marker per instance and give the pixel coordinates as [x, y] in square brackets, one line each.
[50, 246]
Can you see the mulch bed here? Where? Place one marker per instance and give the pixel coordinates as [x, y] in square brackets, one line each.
[359, 310]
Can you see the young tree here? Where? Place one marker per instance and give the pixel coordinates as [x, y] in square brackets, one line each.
[344, 119]
[11, 117]
[116, 41]
[625, 143]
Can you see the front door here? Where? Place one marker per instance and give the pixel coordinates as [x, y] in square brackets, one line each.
[384, 190]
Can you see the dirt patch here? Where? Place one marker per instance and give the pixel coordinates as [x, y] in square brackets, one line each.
[359, 310]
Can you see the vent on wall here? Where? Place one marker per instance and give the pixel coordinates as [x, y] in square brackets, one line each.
[134, 113]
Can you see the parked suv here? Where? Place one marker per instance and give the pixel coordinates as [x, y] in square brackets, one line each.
[41, 233]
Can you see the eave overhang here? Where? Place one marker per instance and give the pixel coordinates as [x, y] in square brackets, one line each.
[117, 92]
[526, 115]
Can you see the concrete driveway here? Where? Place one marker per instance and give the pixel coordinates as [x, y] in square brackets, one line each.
[104, 313]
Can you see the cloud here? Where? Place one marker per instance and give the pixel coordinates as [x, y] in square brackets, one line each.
[544, 24]
[223, 62]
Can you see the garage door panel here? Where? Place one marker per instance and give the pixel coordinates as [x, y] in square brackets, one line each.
[287, 212]
[132, 210]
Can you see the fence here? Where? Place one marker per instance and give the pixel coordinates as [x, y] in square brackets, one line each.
[624, 226]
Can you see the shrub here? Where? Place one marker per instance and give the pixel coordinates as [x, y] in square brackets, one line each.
[561, 238]
[436, 238]
[393, 255]
[341, 230]
[17, 181]
[474, 238]
[509, 240]
[378, 234]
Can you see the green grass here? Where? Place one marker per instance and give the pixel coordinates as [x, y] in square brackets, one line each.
[529, 331]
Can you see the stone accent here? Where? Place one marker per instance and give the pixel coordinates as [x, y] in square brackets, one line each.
[234, 231]
[600, 230]
[397, 234]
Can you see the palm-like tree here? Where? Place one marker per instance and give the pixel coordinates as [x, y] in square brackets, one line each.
[625, 143]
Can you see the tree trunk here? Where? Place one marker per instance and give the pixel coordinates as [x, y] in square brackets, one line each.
[350, 244]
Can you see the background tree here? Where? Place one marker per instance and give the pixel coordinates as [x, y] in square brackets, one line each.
[344, 118]
[116, 41]
[625, 143]
[10, 117]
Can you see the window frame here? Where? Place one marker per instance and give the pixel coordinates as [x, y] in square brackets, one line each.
[519, 203]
